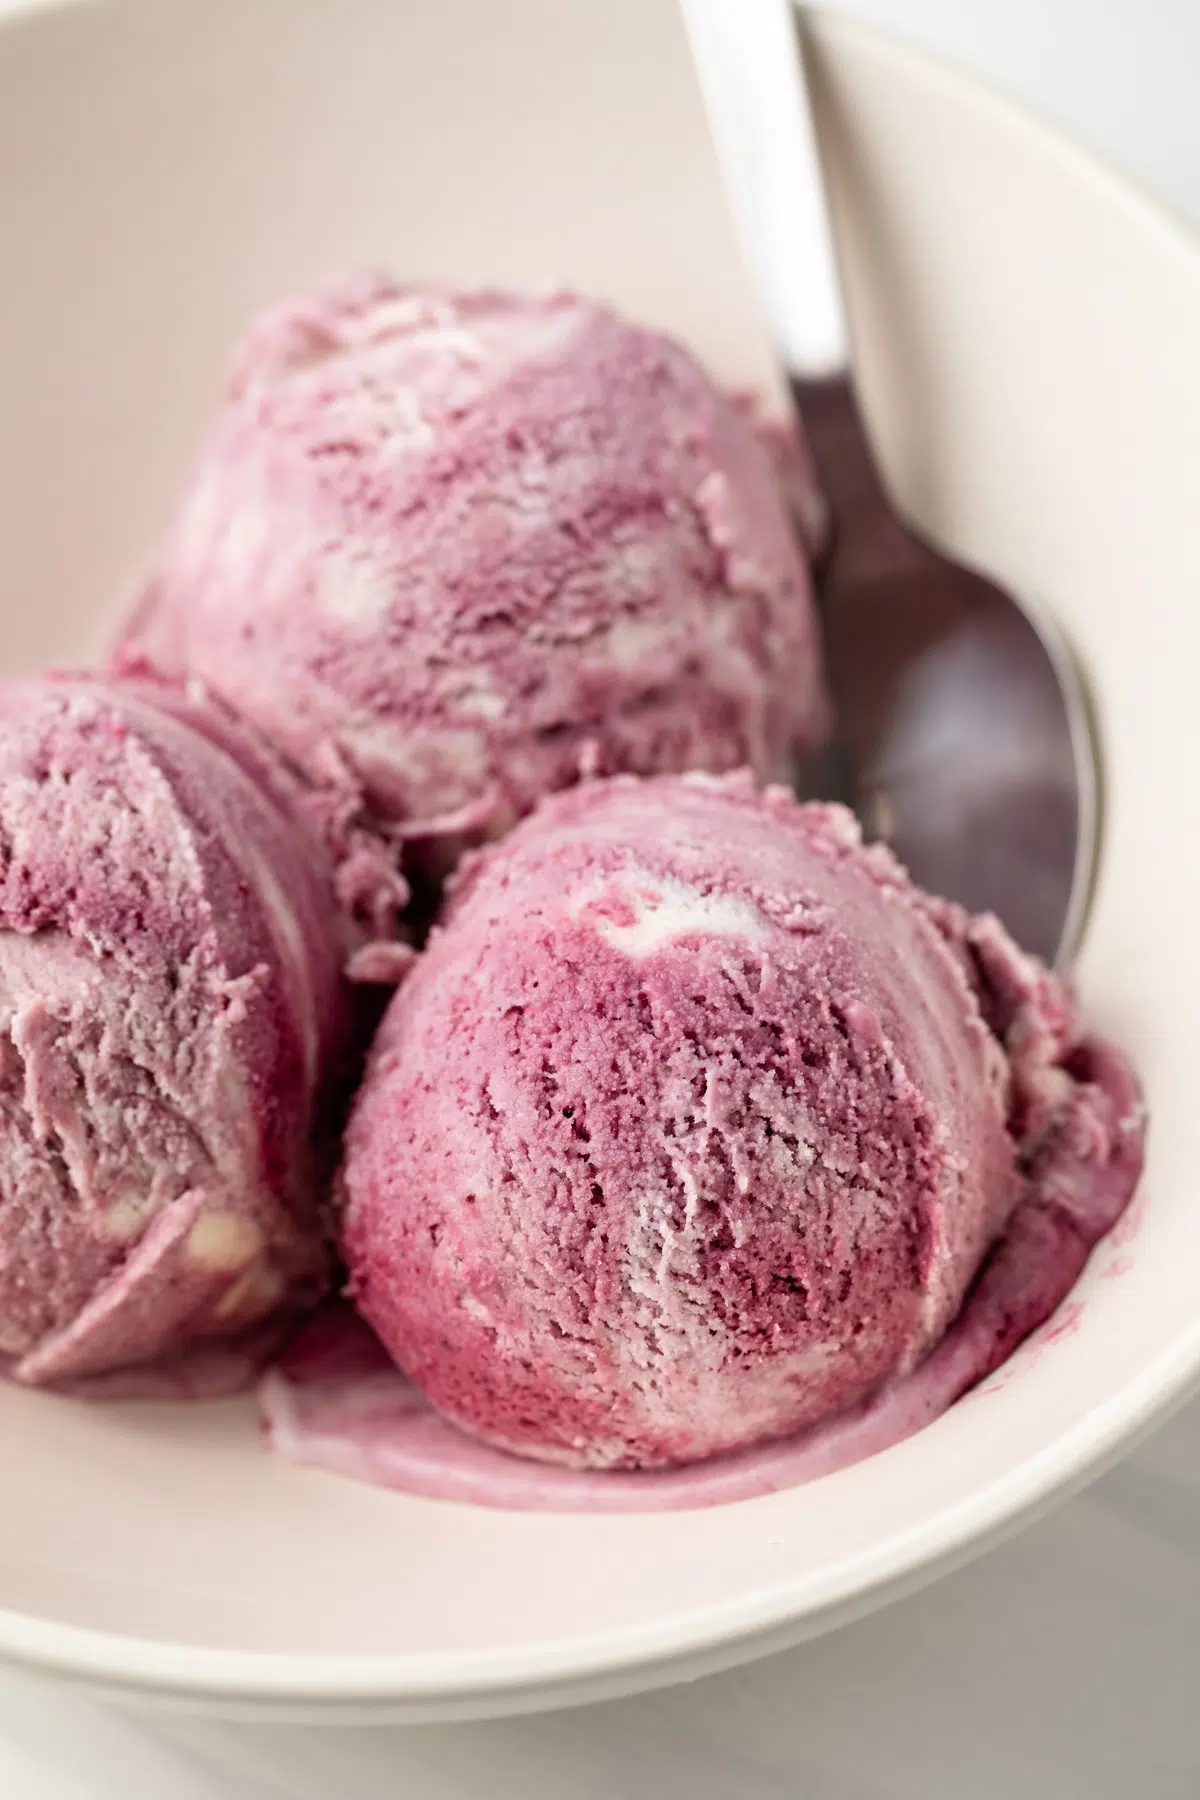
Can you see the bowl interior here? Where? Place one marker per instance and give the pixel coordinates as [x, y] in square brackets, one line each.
[1028, 340]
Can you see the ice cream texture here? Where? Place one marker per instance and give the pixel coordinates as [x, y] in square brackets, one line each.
[170, 1005]
[696, 1122]
[449, 549]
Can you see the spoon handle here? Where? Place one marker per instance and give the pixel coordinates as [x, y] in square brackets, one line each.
[748, 60]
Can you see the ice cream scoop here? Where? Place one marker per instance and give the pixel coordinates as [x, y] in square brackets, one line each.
[171, 1009]
[448, 549]
[695, 1123]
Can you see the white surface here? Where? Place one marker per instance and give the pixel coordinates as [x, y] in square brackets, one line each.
[1061, 1665]
[1120, 74]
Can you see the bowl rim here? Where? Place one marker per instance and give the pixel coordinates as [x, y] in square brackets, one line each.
[452, 1683]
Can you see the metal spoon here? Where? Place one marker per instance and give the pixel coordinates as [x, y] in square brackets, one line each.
[962, 735]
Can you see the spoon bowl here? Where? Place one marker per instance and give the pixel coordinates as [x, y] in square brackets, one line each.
[962, 738]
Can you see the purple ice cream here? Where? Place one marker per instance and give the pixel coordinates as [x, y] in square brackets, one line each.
[696, 1122]
[170, 1006]
[446, 550]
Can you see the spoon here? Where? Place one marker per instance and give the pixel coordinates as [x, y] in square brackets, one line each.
[962, 736]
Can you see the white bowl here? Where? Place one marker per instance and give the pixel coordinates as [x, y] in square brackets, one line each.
[1029, 335]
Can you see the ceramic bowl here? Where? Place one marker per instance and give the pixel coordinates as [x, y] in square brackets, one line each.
[1028, 333]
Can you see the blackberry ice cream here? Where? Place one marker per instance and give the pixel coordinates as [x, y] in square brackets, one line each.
[447, 550]
[696, 1122]
[170, 1006]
